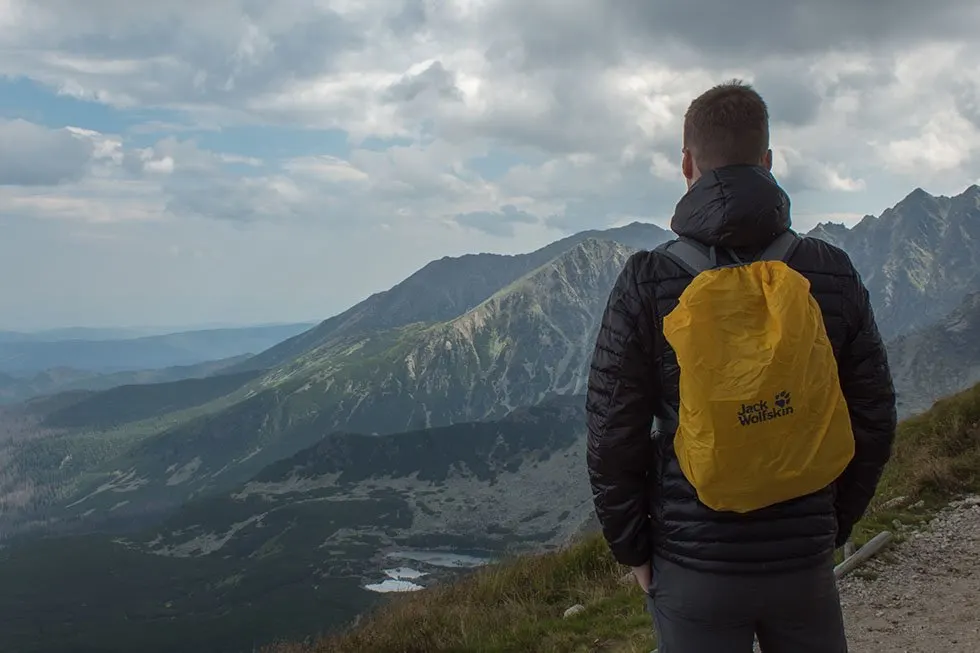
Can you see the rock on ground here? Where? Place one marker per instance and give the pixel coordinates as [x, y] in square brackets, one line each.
[925, 595]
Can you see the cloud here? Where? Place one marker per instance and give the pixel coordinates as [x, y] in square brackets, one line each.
[31, 155]
[558, 33]
[434, 78]
[495, 124]
[496, 223]
[590, 95]
[220, 51]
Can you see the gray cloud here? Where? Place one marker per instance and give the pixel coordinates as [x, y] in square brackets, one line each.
[566, 109]
[435, 78]
[790, 95]
[639, 196]
[185, 50]
[496, 223]
[579, 32]
[593, 91]
[232, 200]
[409, 19]
[31, 155]
[966, 98]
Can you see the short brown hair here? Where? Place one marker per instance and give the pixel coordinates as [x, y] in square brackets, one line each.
[727, 125]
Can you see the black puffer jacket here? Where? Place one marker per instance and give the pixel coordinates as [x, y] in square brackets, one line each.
[643, 501]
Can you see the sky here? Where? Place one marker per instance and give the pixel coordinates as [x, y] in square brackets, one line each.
[244, 161]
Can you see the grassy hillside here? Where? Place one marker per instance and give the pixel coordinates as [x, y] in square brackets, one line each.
[135, 403]
[298, 547]
[518, 606]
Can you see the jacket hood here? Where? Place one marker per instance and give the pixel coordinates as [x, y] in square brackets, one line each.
[738, 206]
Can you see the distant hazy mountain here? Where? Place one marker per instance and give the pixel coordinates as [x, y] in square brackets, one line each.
[918, 259]
[291, 551]
[74, 333]
[63, 379]
[27, 357]
[938, 360]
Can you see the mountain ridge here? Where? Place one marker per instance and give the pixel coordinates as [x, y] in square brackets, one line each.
[918, 258]
[460, 284]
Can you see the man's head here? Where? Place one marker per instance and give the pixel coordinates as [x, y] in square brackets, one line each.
[726, 125]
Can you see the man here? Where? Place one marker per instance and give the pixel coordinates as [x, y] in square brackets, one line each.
[714, 578]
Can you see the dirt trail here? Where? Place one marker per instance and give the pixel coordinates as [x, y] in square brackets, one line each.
[925, 596]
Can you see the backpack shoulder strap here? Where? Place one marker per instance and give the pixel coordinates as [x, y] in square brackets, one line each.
[690, 255]
[781, 248]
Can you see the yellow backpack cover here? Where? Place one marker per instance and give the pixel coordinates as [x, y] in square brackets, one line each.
[762, 417]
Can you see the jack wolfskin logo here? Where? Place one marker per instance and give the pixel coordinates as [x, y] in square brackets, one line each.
[761, 412]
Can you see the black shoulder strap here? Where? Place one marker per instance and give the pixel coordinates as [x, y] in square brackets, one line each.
[689, 255]
[782, 248]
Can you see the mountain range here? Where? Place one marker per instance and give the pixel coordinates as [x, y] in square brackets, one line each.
[530, 340]
[66, 379]
[918, 258]
[98, 352]
[444, 413]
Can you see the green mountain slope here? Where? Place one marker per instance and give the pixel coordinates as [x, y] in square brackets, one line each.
[291, 551]
[444, 289]
[134, 403]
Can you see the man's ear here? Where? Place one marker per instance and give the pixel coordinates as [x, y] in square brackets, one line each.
[767, 160]
[687, 166]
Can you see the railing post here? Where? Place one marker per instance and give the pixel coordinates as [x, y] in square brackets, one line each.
[876, 544]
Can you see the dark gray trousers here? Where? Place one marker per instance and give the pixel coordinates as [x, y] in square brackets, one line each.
[698, 612]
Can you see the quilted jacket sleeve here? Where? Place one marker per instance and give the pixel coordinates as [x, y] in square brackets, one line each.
[870, 394]
[622, 395]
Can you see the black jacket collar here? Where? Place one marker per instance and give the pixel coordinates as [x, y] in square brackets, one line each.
[738, 206]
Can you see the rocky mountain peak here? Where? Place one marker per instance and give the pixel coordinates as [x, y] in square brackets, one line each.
[918, 258]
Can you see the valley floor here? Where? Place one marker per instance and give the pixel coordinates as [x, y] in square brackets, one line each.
[923, 595]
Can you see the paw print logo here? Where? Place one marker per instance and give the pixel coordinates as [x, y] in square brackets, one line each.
[782, 399]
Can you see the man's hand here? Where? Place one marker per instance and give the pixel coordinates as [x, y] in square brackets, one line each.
[644, 576]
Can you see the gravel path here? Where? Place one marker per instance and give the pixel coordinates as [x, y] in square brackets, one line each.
[926, 594]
